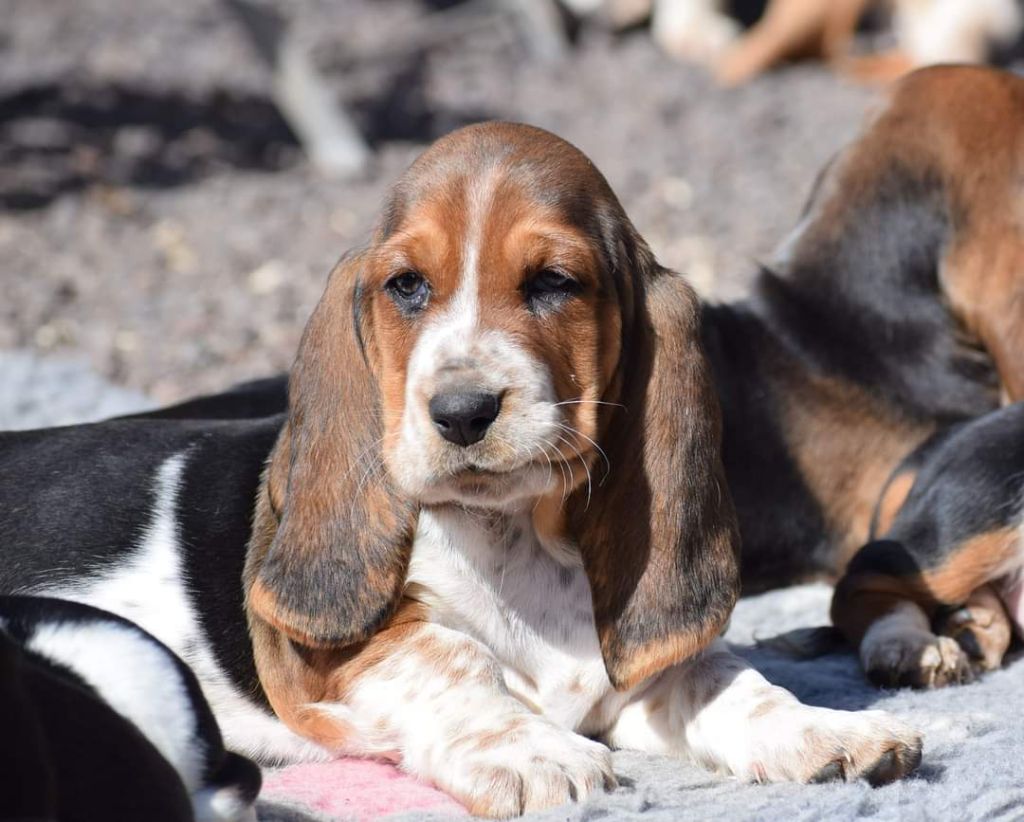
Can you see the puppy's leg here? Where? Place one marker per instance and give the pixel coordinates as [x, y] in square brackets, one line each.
[722, 713]
[890, 601]
[956, 535]
[435, 701]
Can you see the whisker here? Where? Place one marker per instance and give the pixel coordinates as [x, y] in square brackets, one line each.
[589, 402]
[551, 467]
[600, 450]
[586, 468]
[504, 565]
[545, 444]
[561, 467]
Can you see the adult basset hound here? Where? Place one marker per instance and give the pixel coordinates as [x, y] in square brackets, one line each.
[493, 536]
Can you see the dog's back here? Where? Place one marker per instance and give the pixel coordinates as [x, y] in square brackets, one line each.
[149, 517]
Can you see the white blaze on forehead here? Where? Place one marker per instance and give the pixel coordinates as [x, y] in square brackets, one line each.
[464, 309]
[454, 332]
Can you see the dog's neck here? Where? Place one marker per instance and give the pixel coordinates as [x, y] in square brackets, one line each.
[488, 574]
[512, 523]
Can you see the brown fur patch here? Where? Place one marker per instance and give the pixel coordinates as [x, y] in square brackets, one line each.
[846, 446]
[895, 494]
[973, 563]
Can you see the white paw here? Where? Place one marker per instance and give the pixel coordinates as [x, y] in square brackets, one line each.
[914, 658]
[693, 31]
[795, 742]
[526, 764]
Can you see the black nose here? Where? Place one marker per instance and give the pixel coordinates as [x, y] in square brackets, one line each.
[463, 417]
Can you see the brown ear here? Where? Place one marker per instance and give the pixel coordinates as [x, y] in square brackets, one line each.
[331, 537]
[659, 537]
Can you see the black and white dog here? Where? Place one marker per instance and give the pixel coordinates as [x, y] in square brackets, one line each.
[102, 721]
[147, 517]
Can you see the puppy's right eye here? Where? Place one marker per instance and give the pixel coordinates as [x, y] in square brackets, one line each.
[548, 289]
[409, 290]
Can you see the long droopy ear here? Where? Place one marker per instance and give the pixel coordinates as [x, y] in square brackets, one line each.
[331, 538]
[659, 537]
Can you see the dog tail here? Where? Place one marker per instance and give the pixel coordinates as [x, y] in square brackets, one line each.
[806, 643]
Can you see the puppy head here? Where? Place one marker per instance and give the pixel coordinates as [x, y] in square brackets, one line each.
[497, 309]
[490, 348]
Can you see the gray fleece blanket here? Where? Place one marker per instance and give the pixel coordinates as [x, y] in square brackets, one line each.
[973, 767]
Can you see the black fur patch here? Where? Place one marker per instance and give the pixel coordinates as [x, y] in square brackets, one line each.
[77, 501]
[861, 300]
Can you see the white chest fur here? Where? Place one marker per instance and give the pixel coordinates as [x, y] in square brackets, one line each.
[486, 574]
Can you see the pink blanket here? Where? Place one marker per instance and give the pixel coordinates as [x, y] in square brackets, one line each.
[354, 789]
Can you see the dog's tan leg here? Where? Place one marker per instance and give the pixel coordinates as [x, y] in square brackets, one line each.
[723, 713]
[791, 29]
[894, 637]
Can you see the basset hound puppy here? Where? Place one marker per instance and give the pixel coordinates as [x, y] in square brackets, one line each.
[875, 376]
[493, 537]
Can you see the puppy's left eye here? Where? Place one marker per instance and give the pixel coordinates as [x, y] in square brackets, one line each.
[409, 290]
[549, 288]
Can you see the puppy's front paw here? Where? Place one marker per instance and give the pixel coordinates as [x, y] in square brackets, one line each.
[914, 658]
[528, 764]
[806, 744]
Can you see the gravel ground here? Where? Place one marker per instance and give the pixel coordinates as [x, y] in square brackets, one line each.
[158, 220]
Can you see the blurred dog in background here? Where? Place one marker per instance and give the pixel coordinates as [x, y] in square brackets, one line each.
[739, 39]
